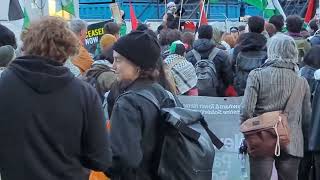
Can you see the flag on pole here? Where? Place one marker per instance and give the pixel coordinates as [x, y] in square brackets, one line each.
[269, 7]
[68, 6]
[203, 16]
[134, 21]
[15, 11]
[311, 11]
[26, 19]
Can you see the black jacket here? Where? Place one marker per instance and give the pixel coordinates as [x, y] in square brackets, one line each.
[221, 61]
[248, 55]
[135, 134]
[52, 124]
[249, 42]
[314, 135]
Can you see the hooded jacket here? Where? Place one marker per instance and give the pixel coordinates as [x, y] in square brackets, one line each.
[52, 124]
[221, 61]
[249, 42]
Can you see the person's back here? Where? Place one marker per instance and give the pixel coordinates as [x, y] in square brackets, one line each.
[204, 46]
[54, 128]
[181, 70]
[294, 26]
[100, 76]
[250, 53]
[268, 89]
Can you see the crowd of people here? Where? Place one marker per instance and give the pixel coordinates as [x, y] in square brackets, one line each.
[65, 112]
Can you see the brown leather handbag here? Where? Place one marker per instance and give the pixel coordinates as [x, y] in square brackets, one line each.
[269, 133]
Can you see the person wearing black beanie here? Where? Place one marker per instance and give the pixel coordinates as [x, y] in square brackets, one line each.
[139, 47]
[134, 119]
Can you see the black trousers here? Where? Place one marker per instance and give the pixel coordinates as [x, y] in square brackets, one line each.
[287, 167]
[306, 167]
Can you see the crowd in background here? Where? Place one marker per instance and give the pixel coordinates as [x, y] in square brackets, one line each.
[56, 97]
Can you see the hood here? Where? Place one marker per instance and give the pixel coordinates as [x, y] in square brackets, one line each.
[41, 74]
[203, 45]
[252, 42]
[281, 64]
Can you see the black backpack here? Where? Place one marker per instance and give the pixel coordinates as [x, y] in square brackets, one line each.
[245, 63]
[206, 72]
[187, 151]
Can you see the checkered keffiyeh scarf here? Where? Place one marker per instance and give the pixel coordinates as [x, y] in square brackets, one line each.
[183, 72]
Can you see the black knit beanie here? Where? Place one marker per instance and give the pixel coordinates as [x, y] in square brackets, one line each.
[141, 48]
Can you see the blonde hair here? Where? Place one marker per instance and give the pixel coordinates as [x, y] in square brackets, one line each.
[50, 37]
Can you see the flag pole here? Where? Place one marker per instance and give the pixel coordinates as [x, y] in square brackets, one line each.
[165, 6]
[207, 11]
[180, 14]
[201, 13]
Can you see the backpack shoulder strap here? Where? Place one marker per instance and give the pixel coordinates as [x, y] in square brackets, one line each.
[196, 54]
[180, 125]
[213, 53]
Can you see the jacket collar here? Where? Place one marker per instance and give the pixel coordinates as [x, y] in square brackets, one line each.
[135, 85]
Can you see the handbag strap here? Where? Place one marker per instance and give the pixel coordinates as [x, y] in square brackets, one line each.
[294, 93]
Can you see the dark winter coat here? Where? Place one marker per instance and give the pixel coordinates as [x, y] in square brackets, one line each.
[308, 73]
[224, 70]
[249, 54]
[52, 124]
[314, 141]
[135, 130]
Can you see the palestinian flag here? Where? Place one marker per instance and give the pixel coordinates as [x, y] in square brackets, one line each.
[26, 19]
[11, 10]
[269, 7]
[65, 6]
[310, 11]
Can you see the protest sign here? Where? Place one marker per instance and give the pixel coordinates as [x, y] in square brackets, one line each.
[94, 33]
[222, 115]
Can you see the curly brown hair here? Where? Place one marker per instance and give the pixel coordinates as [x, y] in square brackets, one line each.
[50, 37]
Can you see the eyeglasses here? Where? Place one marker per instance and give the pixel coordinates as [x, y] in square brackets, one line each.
[234, 29]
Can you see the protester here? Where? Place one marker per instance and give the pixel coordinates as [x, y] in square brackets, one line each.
[277, 21]
[7, 37]
[181, 70]
[188, 39]
[100, 75]
[250, 53]
[106, 43]
[134, 119]
[112, 28]
[167, 37]
[83, 60]
[204, 46]
[271, 29]
[229, 42]
[216, 37]
[235, 32]
[294, 26]
[6, 56]
[55, 122]
[314, 143]
[313, 26]
[312, 64]
[268, 89]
